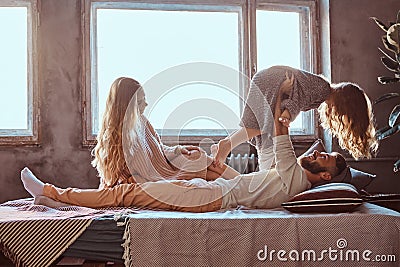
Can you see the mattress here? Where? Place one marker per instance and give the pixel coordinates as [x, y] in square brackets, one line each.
[102, 241]
[246, 237]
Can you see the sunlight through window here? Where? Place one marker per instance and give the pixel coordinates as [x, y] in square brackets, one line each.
[278, 43]
[143, 40]
[13, 68]
[143, 43]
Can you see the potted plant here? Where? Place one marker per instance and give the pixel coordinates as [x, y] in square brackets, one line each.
[391, 60]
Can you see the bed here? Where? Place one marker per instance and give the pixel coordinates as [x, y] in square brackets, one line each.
[330, 225]
[235, 237]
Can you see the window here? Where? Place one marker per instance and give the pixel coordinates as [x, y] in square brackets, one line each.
[289, 44]
[18, 102]
[157, 43]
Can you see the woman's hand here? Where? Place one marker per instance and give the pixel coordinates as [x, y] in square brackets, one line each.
[187, 150]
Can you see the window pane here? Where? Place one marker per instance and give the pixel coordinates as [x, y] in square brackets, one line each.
[278, 43]
[143, 43]
[278, 39]
[13, 68]
[191, 107]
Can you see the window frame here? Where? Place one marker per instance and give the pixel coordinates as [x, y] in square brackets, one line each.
[247, 51]
[28, 136]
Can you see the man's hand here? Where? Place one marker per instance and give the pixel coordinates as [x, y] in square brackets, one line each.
[282, 119]
[287, 85]
[280, 126]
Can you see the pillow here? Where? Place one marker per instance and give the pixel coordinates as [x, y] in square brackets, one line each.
[332, 197]
[355, 177]
[349, 175]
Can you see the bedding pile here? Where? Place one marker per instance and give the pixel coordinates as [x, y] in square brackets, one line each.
[36, 235]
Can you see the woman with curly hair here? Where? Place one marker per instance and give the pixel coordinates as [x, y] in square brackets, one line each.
[347, 115]
[129, 150]
[344, 108]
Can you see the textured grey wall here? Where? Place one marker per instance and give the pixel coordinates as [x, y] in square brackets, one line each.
[62, 160]
[355, 57]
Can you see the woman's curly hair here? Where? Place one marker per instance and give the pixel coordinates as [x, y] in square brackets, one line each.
[108, 153]
[347, 114]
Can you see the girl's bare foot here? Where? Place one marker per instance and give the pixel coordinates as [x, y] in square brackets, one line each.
[224, 148]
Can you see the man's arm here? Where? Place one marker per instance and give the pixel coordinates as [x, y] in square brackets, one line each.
[293, 177]
[281, 120]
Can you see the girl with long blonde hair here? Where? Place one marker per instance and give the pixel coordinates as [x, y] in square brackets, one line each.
[129, 150]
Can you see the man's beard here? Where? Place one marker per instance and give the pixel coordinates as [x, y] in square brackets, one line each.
[311, 166]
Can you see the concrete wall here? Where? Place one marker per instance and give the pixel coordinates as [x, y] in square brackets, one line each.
[61, 159]
[355, 39]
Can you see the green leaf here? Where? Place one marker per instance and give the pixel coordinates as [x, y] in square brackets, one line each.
[390, 64]
[387, 80]
[389, 46]
[386, 97]
[393, 36]
[398, 17]
[387, 132]
[382, 130]
[396, 166]
[383, 52]
[380, 24]
[394, 115]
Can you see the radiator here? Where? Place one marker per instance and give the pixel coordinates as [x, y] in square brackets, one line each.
[243, 163]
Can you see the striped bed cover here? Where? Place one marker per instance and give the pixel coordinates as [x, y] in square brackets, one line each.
[275, 237]
[35, 235]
